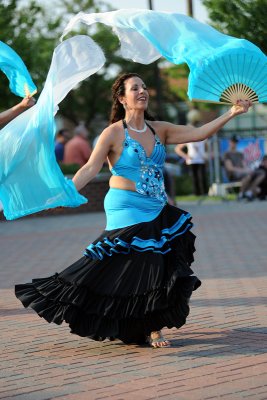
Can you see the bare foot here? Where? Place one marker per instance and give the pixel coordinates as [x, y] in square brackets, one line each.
[157, 340]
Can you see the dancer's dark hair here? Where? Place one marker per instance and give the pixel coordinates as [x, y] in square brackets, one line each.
[118, 89]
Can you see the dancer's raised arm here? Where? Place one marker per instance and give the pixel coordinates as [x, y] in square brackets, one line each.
[175, 134]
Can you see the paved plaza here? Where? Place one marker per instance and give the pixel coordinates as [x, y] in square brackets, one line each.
[221, 353]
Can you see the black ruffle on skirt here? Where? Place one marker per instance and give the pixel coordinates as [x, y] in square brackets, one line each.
[131, 281]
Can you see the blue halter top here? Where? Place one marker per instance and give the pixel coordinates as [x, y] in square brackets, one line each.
[146, 172]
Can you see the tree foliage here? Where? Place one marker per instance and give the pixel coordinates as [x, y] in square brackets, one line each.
[240, 18]
[33, 36]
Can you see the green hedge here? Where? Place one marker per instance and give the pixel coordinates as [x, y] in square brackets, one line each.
[69, 169]
[183, 185]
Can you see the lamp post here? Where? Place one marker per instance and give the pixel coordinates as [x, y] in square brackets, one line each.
[157, 78]
[190, 8]
[213, 144]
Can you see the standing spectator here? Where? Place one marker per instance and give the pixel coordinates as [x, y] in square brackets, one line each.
[194, 155]
[169, 186]
[61, 139]
[78, 149]
[13, 112]
[236, 169]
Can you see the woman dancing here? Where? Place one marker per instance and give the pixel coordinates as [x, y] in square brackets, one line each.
[135, 278]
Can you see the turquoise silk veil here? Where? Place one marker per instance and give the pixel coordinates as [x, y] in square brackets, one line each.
[30, 178]
[20, 81]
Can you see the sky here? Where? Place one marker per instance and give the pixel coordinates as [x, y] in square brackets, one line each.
[178, 6]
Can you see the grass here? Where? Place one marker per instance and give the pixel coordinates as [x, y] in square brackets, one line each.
[206, 199]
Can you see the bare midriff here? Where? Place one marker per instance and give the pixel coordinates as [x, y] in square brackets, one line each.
[118, 182]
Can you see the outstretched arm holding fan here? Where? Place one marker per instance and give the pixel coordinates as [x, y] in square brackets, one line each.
[175, 134]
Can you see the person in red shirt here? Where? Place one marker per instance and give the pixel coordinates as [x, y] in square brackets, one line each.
[78, 149]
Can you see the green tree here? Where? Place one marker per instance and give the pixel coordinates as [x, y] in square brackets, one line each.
[240, 18]
[30, 32]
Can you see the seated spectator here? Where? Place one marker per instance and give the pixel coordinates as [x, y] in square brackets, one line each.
[257, 186]
[234, 162]
[61, 139]
[78, 150]
[263, 184]
[236, 169]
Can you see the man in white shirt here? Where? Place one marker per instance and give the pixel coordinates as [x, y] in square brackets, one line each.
[195, 156]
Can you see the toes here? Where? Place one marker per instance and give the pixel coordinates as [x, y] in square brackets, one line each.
[165, 343]
[158, 341]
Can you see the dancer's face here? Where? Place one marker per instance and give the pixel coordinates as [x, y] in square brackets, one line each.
[136, 94]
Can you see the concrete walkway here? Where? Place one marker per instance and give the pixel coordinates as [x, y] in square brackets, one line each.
[219, 354]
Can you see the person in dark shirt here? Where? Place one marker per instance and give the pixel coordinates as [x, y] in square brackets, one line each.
[61, 139]
[236, 169]
[263, 184]
[257, 186]
[234, 162]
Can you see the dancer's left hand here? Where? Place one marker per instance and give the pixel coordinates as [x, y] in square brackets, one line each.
[241, 107]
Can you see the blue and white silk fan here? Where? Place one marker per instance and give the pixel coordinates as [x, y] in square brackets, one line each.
[223, 69]
[234, 75]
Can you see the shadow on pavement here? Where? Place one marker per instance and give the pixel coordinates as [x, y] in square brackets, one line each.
[229, 302]
[7, 312]
[240, 341]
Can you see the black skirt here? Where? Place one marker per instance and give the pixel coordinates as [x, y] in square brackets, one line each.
[130, 282]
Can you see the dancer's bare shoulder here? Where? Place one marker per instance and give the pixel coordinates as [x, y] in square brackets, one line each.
[160, 129]
[113, 134]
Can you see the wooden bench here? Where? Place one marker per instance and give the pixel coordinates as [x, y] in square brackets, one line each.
[221, 189]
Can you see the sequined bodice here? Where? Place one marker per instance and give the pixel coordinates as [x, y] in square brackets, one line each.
[146, 172]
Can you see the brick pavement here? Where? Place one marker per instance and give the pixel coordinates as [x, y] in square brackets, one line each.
[219, 354]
